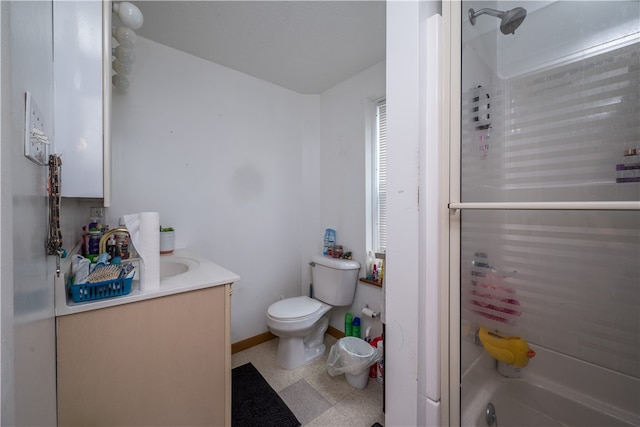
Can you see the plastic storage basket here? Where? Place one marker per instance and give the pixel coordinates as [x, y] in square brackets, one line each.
[100, 290]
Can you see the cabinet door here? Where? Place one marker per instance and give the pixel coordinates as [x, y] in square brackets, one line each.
[82, 85]
[164, 361]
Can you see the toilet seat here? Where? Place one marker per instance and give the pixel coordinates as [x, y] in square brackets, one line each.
[296, 308]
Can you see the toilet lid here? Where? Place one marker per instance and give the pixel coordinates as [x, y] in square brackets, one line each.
[294, 308]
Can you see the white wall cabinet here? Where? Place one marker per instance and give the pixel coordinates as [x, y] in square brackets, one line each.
[162, 361]
[82, 96]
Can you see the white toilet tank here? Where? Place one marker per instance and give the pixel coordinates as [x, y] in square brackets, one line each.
[334, 280]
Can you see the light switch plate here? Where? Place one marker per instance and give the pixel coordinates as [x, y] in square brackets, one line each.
[36, 141]
[96, 212]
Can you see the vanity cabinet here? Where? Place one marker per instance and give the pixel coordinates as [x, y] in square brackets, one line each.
[162, 361]
[82, 96]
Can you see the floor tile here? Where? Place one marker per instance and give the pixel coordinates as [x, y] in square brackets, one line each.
[304, 401]
[334, 401]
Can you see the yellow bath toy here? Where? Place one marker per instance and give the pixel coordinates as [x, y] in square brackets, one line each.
[512, 350]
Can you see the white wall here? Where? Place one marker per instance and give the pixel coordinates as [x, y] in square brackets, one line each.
[218, 154]
[402, 293]
[343, 114]
[411, 343]
[244, 170]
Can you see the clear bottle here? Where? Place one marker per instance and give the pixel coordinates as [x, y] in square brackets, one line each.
[370, 262]
[122, 240]
[329, 240]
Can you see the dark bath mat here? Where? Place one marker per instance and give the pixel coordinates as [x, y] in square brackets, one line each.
[255, 403]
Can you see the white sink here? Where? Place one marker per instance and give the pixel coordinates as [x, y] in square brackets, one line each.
[182, 271]
[175, 266]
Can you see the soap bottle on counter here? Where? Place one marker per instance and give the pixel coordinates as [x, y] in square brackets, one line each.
[84, 247]
[122, 240]
[93, 245]
[95, 223]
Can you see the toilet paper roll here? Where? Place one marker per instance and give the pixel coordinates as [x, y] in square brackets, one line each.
[368, 312]
[144, 229]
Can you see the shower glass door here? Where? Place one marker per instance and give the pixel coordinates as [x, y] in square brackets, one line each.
[549, 195]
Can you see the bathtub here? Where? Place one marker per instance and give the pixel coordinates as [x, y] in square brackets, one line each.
[554, 390]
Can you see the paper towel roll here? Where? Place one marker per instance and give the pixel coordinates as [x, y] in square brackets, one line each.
[150, 244]
[144, 229]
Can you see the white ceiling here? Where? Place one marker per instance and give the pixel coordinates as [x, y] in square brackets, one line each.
[307, 46]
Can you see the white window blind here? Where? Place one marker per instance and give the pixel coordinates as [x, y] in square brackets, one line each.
[380, 208]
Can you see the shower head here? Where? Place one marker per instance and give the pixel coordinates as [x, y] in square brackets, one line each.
[511, 19]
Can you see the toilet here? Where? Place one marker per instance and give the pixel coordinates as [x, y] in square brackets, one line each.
[301, 322]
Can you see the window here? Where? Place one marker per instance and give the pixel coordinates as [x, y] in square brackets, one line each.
[379, 179]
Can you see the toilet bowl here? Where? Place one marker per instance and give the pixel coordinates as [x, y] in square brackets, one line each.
[301, 322]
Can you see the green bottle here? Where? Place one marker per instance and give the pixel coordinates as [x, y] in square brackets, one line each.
[348, 318]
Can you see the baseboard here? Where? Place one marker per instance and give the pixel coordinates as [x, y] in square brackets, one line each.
[336, 333]
[250, 342]
[259, 339]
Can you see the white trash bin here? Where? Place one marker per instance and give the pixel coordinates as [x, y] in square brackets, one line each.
[352, 357]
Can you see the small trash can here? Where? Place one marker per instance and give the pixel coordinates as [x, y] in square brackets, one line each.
[352, 357]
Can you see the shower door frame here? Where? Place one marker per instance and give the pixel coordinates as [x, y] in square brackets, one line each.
[451, 72]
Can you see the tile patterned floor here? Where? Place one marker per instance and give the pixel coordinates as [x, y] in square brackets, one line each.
[314, 396]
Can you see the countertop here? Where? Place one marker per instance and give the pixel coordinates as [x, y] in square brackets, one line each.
[204, 274]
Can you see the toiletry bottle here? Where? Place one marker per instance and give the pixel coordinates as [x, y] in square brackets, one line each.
[628, 170]
[122, 240]
[373, 370]
[356, 327]
[95, 223]
[348, 328]
[112, 249]
[381, 363]
[85, 242]
[93, 247]
[370, 262]
[329, 241]
[337, 251]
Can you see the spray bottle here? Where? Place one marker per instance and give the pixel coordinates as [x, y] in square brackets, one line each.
[348, 326]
